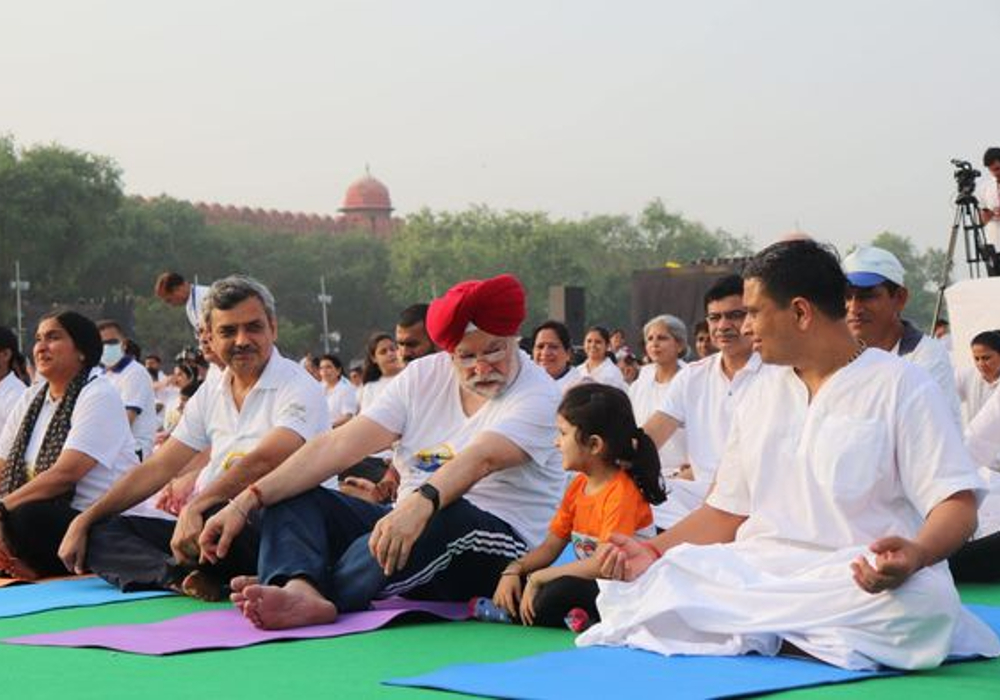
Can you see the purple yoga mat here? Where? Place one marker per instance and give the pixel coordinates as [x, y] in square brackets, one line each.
[228, 629]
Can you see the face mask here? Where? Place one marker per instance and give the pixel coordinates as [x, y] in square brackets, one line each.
[112, 354]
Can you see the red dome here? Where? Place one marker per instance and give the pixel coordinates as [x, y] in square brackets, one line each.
[367, 194]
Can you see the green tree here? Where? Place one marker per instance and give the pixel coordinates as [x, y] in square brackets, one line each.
[57, 209]
[669, 237]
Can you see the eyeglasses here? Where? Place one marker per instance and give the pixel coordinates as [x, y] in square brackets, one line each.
[735, 315]
[490, 357]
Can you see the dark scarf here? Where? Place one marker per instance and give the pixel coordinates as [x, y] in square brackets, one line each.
[15, 474]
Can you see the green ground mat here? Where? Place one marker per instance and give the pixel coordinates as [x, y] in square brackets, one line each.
[351, 667]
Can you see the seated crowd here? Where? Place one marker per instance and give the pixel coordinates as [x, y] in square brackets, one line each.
[800, 481]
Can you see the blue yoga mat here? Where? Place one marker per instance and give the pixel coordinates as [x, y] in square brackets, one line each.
[72, 593]
[600, 672]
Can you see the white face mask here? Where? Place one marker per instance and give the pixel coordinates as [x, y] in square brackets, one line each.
[112, 354]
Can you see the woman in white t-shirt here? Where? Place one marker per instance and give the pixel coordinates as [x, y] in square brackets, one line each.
[552, 350]
[65, 442]
[976, 386]
[341, 396]
[665, 339]
[13, 373]
[600, 365]
[381, 365]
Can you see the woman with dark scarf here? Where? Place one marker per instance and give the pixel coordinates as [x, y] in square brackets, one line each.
[66, 440]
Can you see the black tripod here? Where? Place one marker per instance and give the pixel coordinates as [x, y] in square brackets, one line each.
[980, 255]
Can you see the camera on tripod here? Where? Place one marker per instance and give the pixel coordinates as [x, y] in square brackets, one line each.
[965, 177]
[980, 254]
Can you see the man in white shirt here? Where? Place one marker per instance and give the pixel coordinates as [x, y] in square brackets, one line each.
[701, 397]
[262, 409]
[134, 385]
[173, 289]
[843, 487]
[411, 334]
[988, 194]
[475, 430]
[876, 297]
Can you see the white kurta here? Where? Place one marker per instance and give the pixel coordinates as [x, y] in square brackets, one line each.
[647, 396]
[11, 389]
[605, 373]
[872, 453]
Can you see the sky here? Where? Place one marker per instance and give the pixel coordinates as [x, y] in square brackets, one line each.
[758, 117]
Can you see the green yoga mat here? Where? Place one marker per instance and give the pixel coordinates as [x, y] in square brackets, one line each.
[351, 667]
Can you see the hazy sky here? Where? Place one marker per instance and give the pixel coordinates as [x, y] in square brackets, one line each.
[753, 116]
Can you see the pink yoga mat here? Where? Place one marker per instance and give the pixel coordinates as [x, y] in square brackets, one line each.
[228, 629]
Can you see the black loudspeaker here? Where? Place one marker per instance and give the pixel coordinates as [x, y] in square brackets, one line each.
[567, 304]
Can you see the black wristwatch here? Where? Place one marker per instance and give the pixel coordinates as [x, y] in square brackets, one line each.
[431, 494]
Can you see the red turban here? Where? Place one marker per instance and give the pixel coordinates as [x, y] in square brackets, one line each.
[496, 306]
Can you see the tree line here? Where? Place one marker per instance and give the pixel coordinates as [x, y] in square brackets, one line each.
[79, 239]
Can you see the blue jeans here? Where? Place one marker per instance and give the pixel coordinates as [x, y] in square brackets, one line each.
[322, 536]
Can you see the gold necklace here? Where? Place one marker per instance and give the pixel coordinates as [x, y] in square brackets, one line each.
[857, 353]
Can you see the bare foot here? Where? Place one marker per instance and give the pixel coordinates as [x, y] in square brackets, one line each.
[236, 585]
[202, 586]
[296, 604]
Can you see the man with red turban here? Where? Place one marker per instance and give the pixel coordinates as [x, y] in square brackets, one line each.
[473, 430]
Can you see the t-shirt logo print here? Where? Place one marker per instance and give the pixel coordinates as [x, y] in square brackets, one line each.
[433, 458]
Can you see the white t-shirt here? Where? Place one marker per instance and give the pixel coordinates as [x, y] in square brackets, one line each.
[648, 396]
[98, 429]
[973, 391]
[701, 399]
[135, 387]
[988, 194]
[571, 378]
[285, 396]
[983, 434]
[605, 373]
[341, 400]
[423, 406]
[11, 389]
[367, 395]
[870, 456]
[932, 355]
[369, 392]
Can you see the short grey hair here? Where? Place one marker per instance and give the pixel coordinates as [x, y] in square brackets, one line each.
[205, 318]
[226, 293]
[675, 327]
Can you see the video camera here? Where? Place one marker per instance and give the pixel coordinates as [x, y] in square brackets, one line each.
[965, 177]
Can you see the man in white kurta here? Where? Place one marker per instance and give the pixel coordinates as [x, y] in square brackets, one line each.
[700, 400]
[843, 487]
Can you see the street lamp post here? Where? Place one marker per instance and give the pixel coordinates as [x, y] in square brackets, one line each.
[19, 285]
[324, 300]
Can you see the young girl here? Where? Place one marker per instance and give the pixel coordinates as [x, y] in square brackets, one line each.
[619, 479]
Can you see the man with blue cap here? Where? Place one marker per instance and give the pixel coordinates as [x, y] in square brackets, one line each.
[876, 297]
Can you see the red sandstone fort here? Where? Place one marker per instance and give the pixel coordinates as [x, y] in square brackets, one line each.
[366, 207]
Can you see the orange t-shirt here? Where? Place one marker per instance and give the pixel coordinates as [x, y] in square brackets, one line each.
[589, 519]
